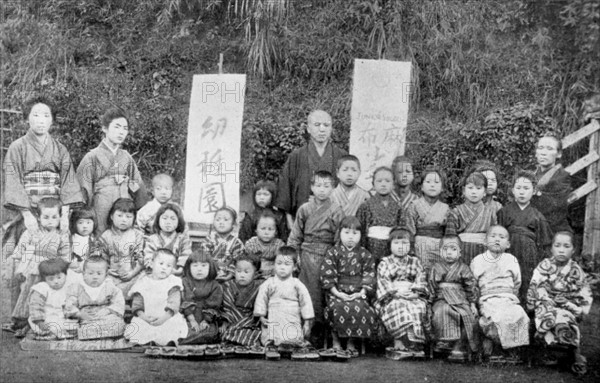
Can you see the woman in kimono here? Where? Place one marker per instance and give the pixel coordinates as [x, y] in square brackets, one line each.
[471, 219]
[554, 184]
[560, 296]
[426, 218]
[108, 172]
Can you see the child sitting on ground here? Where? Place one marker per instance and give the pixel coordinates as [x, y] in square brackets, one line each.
[162, 190]
[348, 194]
[47, 300]
[502, 320]
[238, 324]
[96, 302]
[453, 296]
[156, 299]
[402, 298]
[265, 244]
[223, 244]
[202, 298]
[264, 193]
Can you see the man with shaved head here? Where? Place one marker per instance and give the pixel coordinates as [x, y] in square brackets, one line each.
[319, 153]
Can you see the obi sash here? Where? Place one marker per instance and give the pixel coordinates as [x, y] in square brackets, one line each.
[521, 230]
[379, 232]
[432, 232]
[41, 184]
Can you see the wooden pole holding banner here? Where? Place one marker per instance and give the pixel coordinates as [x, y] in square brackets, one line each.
[379, 114]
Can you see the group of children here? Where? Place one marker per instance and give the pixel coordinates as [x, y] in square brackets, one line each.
[356, 265]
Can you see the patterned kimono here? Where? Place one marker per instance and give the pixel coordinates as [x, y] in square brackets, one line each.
[154, 297]
[453, 289]
[179, 243]
[84, 247]
[554, 187]
[378, 216]
[293, 188]
[266, 252]
[530, 238]
[225, 250]
[248, 225]
[406, 200]
[90, 300]
[349, 271]
[106, 176]
[471, 222]
[203, 300]
[238, 312]
[313, 233]
[286, 303]
[28, 255]
[349, 200]
[502, 318]
[403, 317]
[427, 223]
[125, 251]
[549, 293]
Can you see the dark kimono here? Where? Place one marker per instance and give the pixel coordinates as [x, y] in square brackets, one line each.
[238, 312]
[349, 271]
[248, 225]
[453, 288]
[530, 238]
[377, 219]
[203, 300]
[293, 188]
[554, 187]
[471, 222]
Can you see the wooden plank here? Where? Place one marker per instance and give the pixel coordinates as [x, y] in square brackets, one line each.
[580, 134]
[582, 162]
[591, 233]
[582, 191]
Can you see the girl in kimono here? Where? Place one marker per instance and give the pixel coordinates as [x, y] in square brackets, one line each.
[554, 184]
[265, 193]
[530, 233]
[560, 296]
[156, 299]
[426, 217]
[202, 298]
[264, 245]
[453, 298]
[284, 305]
[238, 324]
[85, 241]
[502, 320]
[348, 194]
[96, 302]
[169, 233]
[124, 245]
[108, 172]
[379, 214]
[490, 172]
[402, 298]
[471, 219]
[47, 243]
[223, 244]
[347, 276]
[404, 176]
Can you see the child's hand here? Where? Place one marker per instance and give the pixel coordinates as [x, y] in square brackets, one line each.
[43, 326]
[30, 222]
[162, 319]
[224, 327]
[407, 295]
[178, 271]
[113, 273]
[474, 309]
[194, 325]
[125, 277]
[102, 312]
[306, 329]
[83, 316]
[203, 325]
[147, 318]
[264, 321]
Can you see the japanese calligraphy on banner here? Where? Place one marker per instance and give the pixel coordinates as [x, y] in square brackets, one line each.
[380, 100]
[212, 173]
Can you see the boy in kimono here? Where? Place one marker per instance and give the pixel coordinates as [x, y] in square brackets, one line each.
[162, 191]
[313, 234]
[108, 172]
[348, 194]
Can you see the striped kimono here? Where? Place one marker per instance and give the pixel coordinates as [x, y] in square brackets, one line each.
[550, 290]
[378, 216]
[406, 200]
[106, 176]
[453, 289]
[403, 317]
[179, 243]
[471, 222]
[225, 250]
[350, 200]
[313, 233]
[125, 251]
[266, 252]
[238, 312]
[427, 223]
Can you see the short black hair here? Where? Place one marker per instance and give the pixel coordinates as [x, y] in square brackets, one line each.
[203, 254]
[252, 259]
[323, 174]
[346, 158]
[288, 251]
[527, 174]
[82, 213]
[268, 186]
[49, 203]
[95, 259]
[52, 266]
[126, 205]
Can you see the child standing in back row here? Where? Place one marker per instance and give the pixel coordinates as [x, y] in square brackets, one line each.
[264, 193]
[403, 178]
[348, 194]
[162, 190]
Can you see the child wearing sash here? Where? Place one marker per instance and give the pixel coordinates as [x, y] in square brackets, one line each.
[403, 168]
[348, 194]
[108, 172]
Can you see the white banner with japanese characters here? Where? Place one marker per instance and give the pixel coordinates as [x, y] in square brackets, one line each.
[212, 174]
[379, 115]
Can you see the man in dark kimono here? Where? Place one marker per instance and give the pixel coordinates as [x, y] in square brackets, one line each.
[319, 153]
